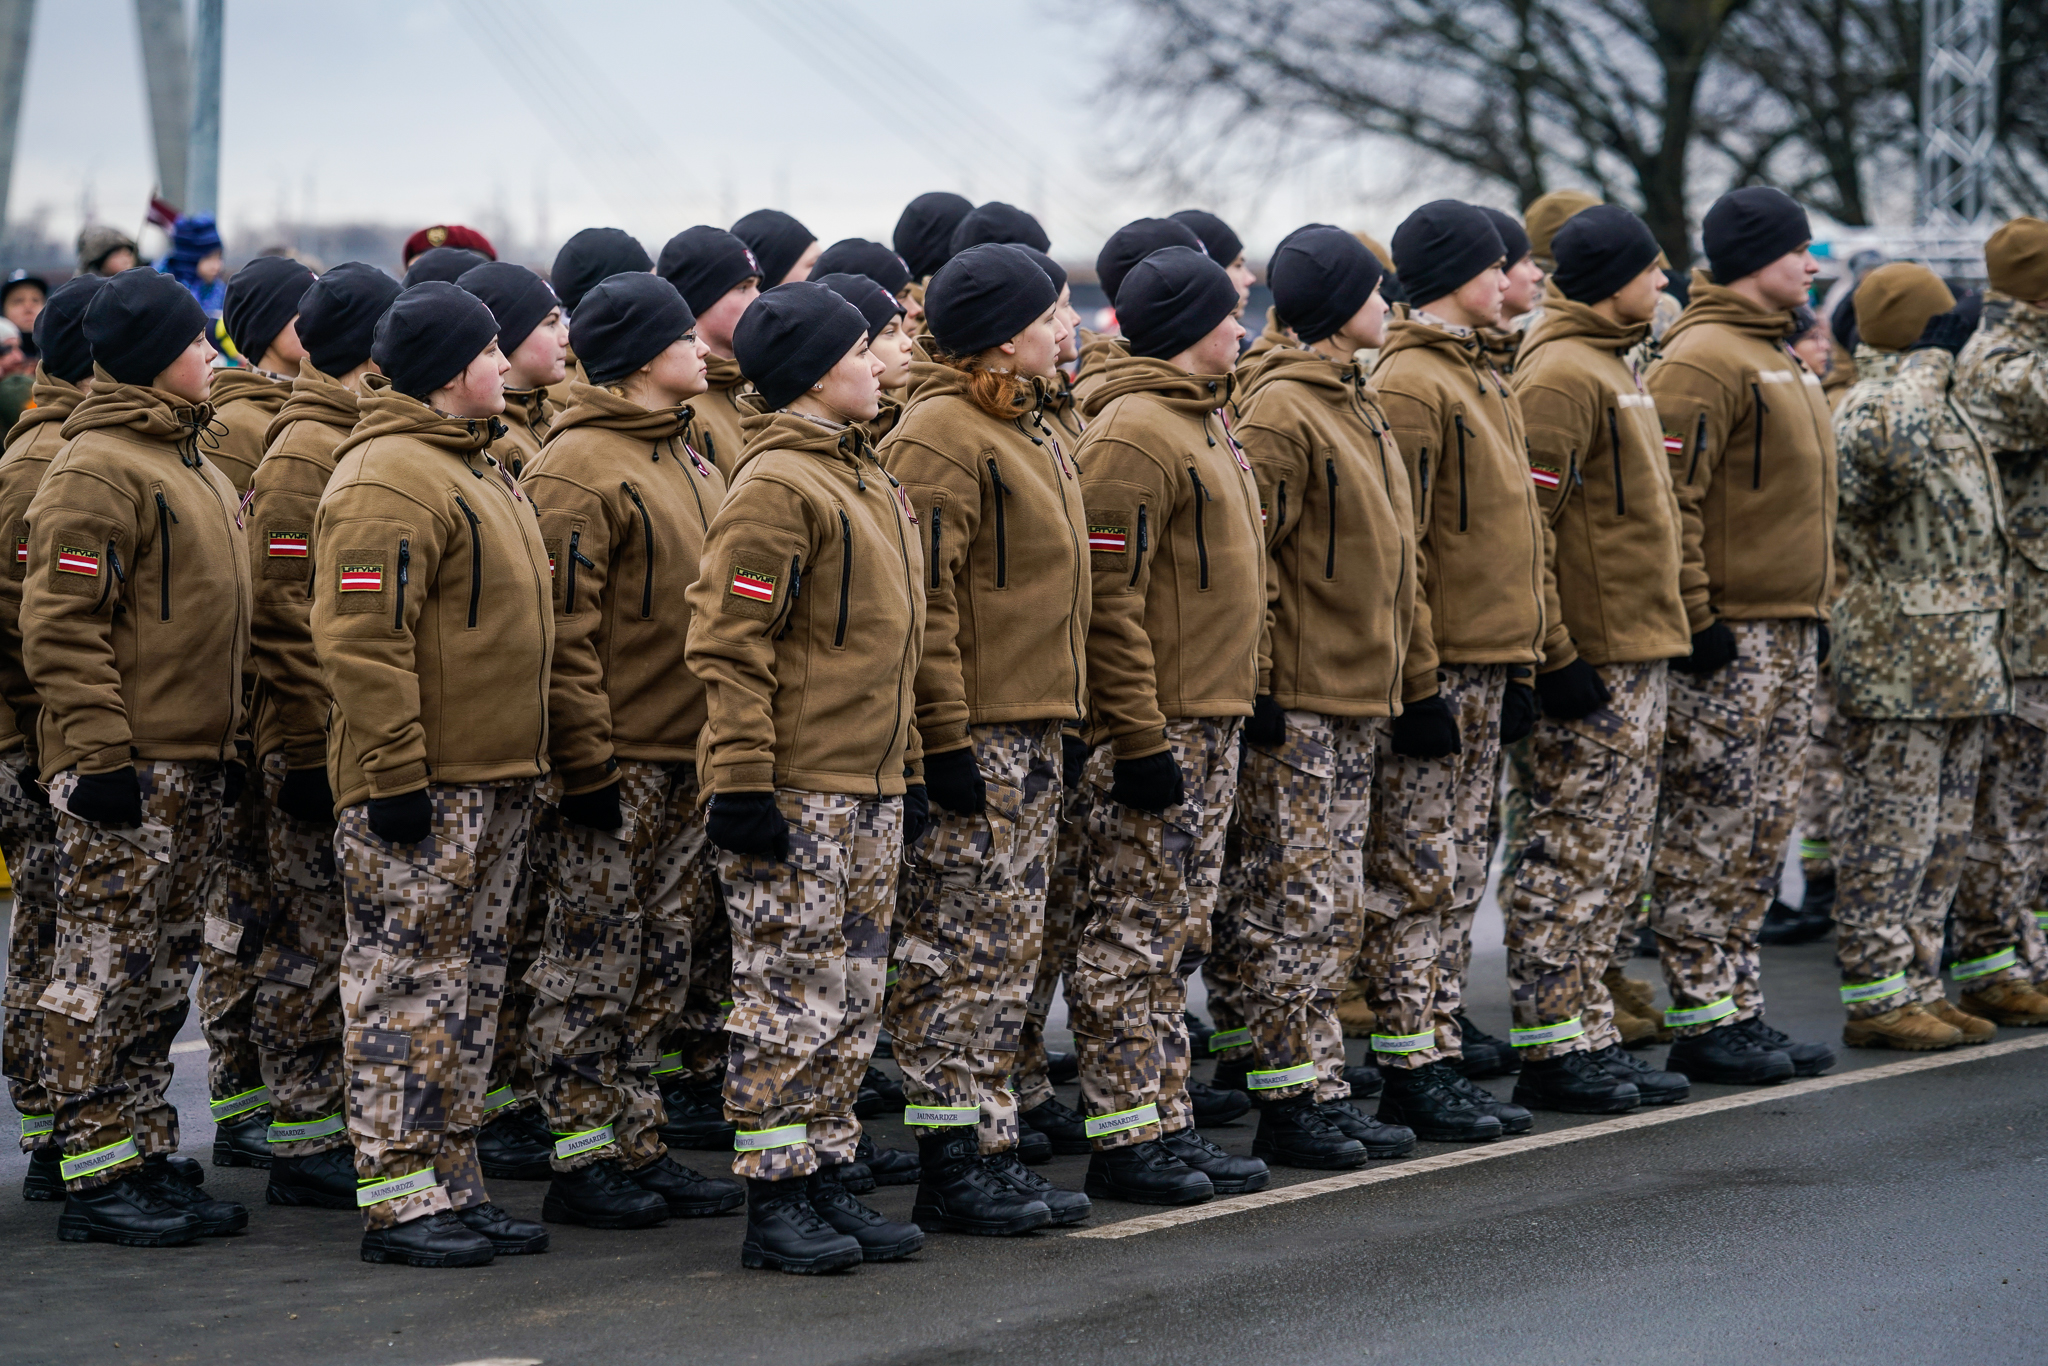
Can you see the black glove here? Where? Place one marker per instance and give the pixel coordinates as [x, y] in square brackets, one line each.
[1074, 752]
[748, 823]
[1268, 725]
[1149, 784]
[1952, 330]
[1824, 648]
[917, 807]
[1517, 712]
[1712, 649]
[1427, 730]
[597, 810]
[31, 790]
[233, 778]
[306, 796]
[955, 781]
[1573, 692]
[111, 799]
[405, 819]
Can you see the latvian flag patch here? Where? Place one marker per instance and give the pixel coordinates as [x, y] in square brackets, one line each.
[288, 545]
[21, 550]
[1546, 476]
[74, 559]
[753, 585]
[362, 578]
[1107, 540]
[1674, 443]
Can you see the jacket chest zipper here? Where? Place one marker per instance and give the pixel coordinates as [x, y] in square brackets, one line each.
[164, 520]
[1138, 561]
[1201, 536]
[1756, 469]
[476, 557]
[404, 577]
[695, 492]
[1458, 421]
[647, 539]
[845, 575]
[1002, 526]
[1614, 442]
[1330, 553]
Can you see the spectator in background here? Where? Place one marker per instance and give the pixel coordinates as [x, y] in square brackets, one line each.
[105, 251]
[12, 361]
[195, 261]
[447, 235]
[1811, 342]
[21, 299]
[15, 375]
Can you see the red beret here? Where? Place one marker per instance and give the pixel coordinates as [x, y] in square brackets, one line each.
[448, 235]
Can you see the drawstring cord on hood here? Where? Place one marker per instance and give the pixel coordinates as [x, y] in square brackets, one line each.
[200, 425]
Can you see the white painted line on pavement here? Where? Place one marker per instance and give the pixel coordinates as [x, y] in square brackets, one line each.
[1465, 1157]
[189, 1046]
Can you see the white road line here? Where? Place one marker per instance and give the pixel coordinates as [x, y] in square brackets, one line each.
[1642, 1119]
[189, 1046]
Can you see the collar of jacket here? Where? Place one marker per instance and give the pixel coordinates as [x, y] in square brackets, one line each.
[1333, 381]
[1718, 304]
[1563, 319]
[50, 400]
[591, 405]
[150, 412]
[783, 430]
[1412, 333]
[1099, 349]
[243, 385]
[2019, 316]
[1194, 395]
[316, 397]
[721, 375]
[1875, 365]
[528, 406]
[386, 412]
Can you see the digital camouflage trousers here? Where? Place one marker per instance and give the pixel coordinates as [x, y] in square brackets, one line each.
[28, 841]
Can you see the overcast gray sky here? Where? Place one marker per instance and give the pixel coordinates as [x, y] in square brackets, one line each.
[536, 118]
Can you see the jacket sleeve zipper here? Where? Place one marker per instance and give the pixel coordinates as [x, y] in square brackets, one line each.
[845, 575]
[404, 577]
[107, 587]
[1464, 520]
[476, 558]
[796, 587]
[1614, 440]
[1330, 552]
[647, 536]
[1201, 538]
[1002, 528]
[936, 510]
[1138, 560]
[569, 575]
[1756, 469]
[164, 518]
[1280, 507]
[1699, 444]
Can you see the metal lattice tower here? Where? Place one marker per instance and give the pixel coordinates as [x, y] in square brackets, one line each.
[1958, 112]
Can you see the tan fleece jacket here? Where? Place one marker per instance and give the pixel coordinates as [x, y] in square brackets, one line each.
[528, 413]
[32, 444]
[1177, 555]
[624, 503]
[1006, 573]
[1596, 454]
[135, 608]
[721, 416]
[806, 620]
[244, 404]
[1342, 613]
[1750, 440]
[431, 611]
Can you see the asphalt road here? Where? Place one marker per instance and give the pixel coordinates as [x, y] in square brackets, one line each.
[1898, 1219]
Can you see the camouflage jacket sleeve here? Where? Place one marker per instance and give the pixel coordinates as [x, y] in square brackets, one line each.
[2003, 385]
[1697, 412]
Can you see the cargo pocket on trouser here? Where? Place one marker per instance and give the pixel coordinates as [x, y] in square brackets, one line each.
[788, 936]
[1707, 813]
[583, 981]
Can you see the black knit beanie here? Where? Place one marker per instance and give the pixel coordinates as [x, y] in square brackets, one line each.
[858, 256]
[446, 264]
[1514, 238]
[985, 296]
[1441, 246]
[1599, 250]
[704, 262]
[777, 241]
[262, 297]
[430, 334]
[1132, 243]
[1172, 299]
[996, 221]
[139, 322]
[591, 255]
[1321, 276]
[1749, 228]
[625, 322]
[791, 336]
[517, 298]
[1054, 271]
[875, 303]
[60, 329]
[338, 315]
[1223, 245]
[924, 231]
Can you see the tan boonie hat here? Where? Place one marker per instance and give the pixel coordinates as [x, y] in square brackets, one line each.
[1895, 301]
[2016, 259]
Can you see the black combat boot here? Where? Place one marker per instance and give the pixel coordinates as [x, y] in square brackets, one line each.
[957, 1193]
[690, 1193]
[1146, 1174]
[1365, 1081]
[1200, 1031]
[602, 1195]
[1066, 1128]
[243, 1141]
[217, 1218]
[1422, 1099]
[185, 1169]
[1228, 1175]
[1808, 1059]
[324, 1180]
[879, 1095]
[515, 1145]
[1034, 1149]
[1378, 1140]
[1731, 1055]
[1234, 1075]
[1213, 1107]
[1068, 1207]
[881, 1238]
[1514, 1119]
[696, 1118]
[131, 1212]
[44, 1179]
[437, 1240]
[1061, 1068]
[1483, 1054]
[509, 1237]
[1294, 1133]
[1656, 1086]
[784, 1232]
[1782, 924]
[889, 1166]
[1574, 1084]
